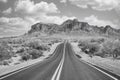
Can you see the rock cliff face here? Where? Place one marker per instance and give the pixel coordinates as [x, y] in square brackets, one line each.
[44, 28]
[72, 25]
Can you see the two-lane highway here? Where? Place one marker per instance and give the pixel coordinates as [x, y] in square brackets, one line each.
[62, 65]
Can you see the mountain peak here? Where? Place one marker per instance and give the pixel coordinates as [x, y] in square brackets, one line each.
[75, 20]
[71, 25]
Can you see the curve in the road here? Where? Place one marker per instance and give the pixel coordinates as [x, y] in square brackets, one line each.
[64, 65]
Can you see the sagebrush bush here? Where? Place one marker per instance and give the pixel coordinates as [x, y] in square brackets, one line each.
[25, 56]
[20, 50]
[5, 63]
[88, 47]
[38, 46]
[5, 51]
[100, 40]
[35, 53]
[112, 48]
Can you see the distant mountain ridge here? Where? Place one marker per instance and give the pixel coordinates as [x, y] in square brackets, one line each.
[72, 26]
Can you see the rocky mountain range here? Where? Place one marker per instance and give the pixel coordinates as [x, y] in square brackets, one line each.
[72, 26]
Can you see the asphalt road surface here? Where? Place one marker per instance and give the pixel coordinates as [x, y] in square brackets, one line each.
[62, 65]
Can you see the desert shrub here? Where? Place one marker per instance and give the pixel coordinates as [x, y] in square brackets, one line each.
[18, 41]
[83, 43]
[35, 53]
[78, 56]
[20, 50]
[34, 44]
[107, 47]
[89, 48]
[93, 48]
[50, 44]
[1, 63]
[101, 52]
[44, 47]
[100, 40]
[5, 62]
[38, 46]
[16, 63]
[116, 48]
[5, 51]
[111, 48]
[25, 56]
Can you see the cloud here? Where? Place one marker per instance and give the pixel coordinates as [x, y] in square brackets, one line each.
[18, 26]
[39, 12]
[12, 21]
[7, 11]
[93, 20]
[30, 8]
[49, 19]
[3, 1]
[13, 26]
[63, 1]
[97, 4]
[31, 13]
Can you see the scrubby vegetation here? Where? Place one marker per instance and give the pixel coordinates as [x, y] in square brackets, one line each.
[33, 50]
[35, 53]
[25, 48]
[38, 46]
[5, 51]
[101, 47]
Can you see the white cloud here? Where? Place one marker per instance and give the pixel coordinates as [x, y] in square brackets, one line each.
[15, 25]
[18, 26]
[39, 12]
[97, 4]
[30, 8]
[7, 11]
[51, 19]
[63, 1]
[12, 21]
[4, 20]
[31, 13]
[93, 20]
[3, 1]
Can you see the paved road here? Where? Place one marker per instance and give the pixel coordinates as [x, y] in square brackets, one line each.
[62, 65]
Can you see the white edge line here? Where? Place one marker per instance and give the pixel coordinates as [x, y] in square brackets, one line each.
[96, 68]
[12, 73]
[19, 70]
[100, 70]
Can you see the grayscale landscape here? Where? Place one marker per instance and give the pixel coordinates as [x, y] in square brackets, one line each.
[59, 40]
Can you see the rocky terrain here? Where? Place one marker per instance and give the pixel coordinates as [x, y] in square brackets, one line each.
[73, 26]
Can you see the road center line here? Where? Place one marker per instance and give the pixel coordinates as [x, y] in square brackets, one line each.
[57, 73]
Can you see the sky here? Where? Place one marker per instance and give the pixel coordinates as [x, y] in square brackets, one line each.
[17, 16]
